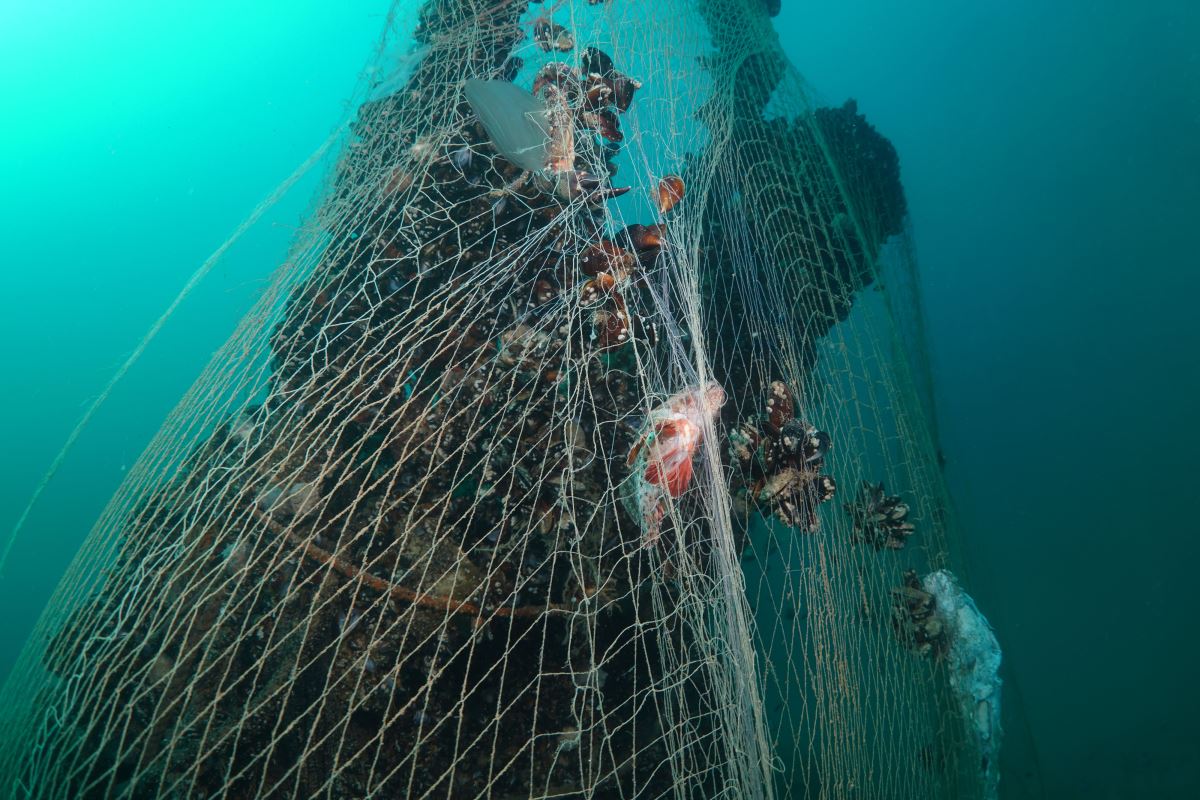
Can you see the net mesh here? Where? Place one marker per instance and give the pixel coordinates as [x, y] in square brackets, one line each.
[514, 485]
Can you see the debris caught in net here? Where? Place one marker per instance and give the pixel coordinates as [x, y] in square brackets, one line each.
[517, 482]
[973, 657]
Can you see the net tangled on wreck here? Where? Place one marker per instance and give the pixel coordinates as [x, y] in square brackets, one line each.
[518, 481]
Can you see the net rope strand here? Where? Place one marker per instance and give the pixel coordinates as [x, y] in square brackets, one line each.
[507, 488]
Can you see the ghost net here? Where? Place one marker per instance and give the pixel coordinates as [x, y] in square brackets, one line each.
[518, 485]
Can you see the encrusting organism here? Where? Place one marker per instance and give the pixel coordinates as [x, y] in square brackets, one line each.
[550, 35]
[880, 519]
[915, 617]
[781, 458]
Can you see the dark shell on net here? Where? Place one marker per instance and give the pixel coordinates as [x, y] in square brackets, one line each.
[879, 519]
[552, 36]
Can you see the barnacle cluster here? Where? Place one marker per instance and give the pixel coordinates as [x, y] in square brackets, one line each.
[879, 519]
[915, 618]
[781, 458]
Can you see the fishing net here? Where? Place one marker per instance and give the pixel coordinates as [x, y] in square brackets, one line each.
[580, 448]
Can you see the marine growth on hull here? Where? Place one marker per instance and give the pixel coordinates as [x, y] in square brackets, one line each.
[521, 483]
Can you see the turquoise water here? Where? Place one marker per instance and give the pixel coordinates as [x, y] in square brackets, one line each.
[1053, 176]
[136, 139]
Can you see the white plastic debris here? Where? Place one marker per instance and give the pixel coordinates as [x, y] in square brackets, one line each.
[517, 121]
[974, 660]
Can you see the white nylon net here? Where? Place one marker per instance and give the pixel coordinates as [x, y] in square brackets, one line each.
[511, 487]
